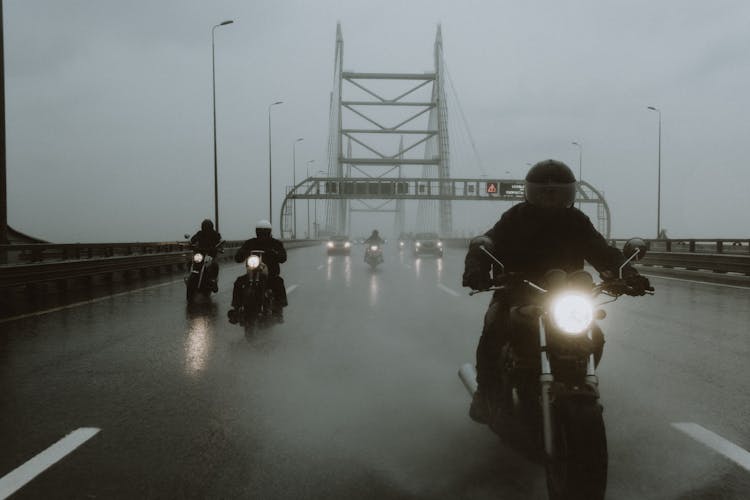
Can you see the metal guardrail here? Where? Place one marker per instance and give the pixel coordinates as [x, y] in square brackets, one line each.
[63, 262]
[688, 245]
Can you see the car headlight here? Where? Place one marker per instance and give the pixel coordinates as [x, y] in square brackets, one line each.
[330, 244]
[198, 258]
[347, 244]
[418, 244]
[374, 248]
[572, 313]
[253, 262]
[440, 243]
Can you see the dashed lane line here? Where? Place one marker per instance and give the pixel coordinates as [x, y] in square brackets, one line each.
[291, 288]
[448, 290]
[320, 267]
[85, 302]
[717, 443]
[17, 478]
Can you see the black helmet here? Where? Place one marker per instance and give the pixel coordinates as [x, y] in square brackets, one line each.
[207, 225]
[550, 184]
[375, 232]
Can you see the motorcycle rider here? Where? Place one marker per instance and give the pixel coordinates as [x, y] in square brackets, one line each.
[373, 239]
[544, 232]
[274, 254]
[205, 241]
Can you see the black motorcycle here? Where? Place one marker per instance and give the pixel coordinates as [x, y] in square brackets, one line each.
[256, 297]
[198, 278]
[548, 388]
[374, 255]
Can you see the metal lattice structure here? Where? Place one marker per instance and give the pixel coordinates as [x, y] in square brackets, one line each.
[366, 174]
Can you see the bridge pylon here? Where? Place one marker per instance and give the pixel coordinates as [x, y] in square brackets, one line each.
[362, 111]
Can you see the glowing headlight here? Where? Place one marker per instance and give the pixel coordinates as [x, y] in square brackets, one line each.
[330, 244]
[198, 258]
[572, 313]
[374, 248]
[400, 243]
[440, 243]
[253, 261]
[419, 244]
[347, 244]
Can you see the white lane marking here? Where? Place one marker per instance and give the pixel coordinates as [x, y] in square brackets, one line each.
[320, 267]
[448, 290]
[291, 288]
[697, 282]
[85, 302]
[17, 478]
[717, 443]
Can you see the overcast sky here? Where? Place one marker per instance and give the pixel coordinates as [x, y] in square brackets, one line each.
[109, 105]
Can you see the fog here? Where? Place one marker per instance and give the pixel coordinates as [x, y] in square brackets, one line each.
[109, 131]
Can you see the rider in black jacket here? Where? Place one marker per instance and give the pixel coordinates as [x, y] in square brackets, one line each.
[274, 254]
[206, 241]
[544, 232]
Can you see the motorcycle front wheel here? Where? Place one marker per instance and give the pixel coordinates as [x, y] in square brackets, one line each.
[578, 468]
[191, 287]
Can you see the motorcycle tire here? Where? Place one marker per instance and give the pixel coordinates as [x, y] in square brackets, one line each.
[578, 468]
[191, 288]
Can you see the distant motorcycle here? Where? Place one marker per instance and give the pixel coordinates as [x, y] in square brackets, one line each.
[374, 255]
[198, 279]
[547, 383]
[257, 297]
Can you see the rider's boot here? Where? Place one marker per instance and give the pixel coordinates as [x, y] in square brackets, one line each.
[233, 316]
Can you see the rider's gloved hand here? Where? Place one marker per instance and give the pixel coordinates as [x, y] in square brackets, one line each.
[477, 280]
[638, 284]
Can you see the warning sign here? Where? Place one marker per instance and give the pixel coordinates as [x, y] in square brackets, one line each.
[492, 188]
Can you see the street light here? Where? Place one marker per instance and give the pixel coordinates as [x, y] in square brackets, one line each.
[580, 163]
[658, 180]
[307, 171]
[213, 103]
[270, 175]
[294, 183]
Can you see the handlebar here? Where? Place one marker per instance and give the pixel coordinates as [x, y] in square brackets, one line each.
[614, 287]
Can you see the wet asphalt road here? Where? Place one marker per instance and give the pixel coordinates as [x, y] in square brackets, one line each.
[356, 394]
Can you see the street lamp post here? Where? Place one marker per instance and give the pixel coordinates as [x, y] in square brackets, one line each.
[294, 183]
[307, 170]
[213, 103]
[270, 172]
[580, 165]
[658, 180]
[316, 224]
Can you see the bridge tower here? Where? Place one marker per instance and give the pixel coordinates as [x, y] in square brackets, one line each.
[376, 156]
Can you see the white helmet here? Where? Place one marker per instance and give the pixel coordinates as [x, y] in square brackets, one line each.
[263, 224]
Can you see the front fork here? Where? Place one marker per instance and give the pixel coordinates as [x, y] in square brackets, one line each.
[546, 379]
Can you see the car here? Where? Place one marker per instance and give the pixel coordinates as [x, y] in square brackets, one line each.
[403, 240]
[339, 245]
[427, 243]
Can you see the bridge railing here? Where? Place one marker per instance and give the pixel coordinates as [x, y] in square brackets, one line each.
[41, 263]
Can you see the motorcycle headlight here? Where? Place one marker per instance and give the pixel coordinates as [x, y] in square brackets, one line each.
[419, 244]
[374, 248]
[440, 243]
[347, 244]
[253, 262]
[400, 243]
[330, 244]
[198, 258]
[572, 313]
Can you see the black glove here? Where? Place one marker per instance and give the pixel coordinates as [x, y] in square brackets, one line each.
[638, 284]
[477, 280]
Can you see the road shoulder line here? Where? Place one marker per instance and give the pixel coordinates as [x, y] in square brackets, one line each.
[448, 290]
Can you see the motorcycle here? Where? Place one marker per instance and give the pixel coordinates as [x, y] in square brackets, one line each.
[197, 279]
[257, 296]
[547, 383]
[374, 255]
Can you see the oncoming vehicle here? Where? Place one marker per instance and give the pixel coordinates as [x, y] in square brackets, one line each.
[339, 245]
[202, 274]
[427, 244]
[374, 254]
[257, 296]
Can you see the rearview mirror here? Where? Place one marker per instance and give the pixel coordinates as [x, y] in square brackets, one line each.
[635, 248]
[187, 236]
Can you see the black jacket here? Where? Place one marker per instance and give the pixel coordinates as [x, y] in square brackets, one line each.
[527, 240]
[206, 241]
[274, 255]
